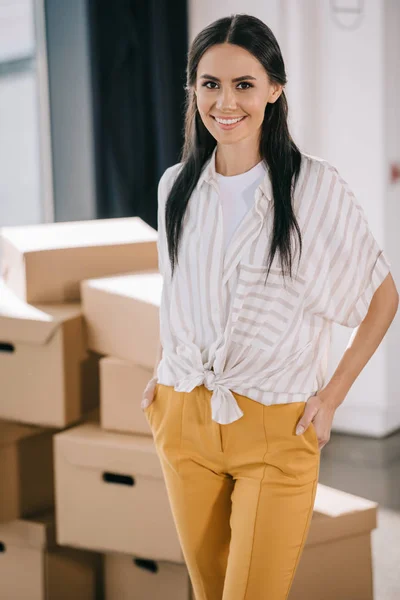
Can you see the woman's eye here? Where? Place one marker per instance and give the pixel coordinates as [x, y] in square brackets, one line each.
[246, 83]
[241, 83]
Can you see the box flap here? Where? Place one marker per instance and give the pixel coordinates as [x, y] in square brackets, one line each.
[11, 433]
[31, 324]
[334, 503]
[78, 234]
[338, 514]
[88, 446]
[35, 532]
[145, 286]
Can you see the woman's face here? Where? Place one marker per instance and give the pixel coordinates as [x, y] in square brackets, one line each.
[219, 95]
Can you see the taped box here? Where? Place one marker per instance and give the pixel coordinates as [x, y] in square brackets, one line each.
[48, 377]
[337, 559]
[110, 494]
[46, 262]
[33, 567]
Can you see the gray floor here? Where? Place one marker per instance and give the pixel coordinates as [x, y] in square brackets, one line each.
[371, 468]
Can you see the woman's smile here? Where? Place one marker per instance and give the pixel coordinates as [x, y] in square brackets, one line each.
[227, 124]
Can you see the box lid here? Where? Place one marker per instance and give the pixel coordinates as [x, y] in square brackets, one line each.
[89, 446]
[78, 234]
[32, 324]
[145, 286]
[35, 532]
[338, 514]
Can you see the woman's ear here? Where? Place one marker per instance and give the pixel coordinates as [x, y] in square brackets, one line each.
[275, 94]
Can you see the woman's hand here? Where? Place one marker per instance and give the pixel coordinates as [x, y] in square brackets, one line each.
[148, 392]
[321, 412]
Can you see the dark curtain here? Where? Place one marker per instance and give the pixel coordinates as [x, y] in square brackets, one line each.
[138, 51]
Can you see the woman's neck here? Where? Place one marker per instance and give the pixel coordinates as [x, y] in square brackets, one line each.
[229, 161]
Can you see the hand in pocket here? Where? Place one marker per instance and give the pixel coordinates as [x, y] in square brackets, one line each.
[148, 393]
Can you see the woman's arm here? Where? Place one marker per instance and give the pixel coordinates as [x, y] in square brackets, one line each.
[363, 343]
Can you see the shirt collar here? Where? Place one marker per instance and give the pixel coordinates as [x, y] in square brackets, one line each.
[209, 174]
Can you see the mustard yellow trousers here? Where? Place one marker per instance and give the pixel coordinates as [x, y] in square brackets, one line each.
[241, 495]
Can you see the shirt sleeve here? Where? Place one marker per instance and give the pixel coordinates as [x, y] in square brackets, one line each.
[162, 247]
[347, 265]
[164, 187]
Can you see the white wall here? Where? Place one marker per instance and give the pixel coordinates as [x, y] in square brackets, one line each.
[343, 92]
[391, 119]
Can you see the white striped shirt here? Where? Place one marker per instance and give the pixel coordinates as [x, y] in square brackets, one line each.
[221, 327]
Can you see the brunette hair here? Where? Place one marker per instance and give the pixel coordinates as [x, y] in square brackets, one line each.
[277, 149]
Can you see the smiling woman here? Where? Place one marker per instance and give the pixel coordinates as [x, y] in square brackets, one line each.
[244, 349]
[225, 96]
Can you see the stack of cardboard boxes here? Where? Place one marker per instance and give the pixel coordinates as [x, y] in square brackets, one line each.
[83, 508]
[84, 511]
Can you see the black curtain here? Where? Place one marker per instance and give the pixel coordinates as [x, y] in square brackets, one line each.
[138, 54]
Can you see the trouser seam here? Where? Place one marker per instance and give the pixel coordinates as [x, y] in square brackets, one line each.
[181, 435]
[256, 515]
[302, 539]
[180, 458]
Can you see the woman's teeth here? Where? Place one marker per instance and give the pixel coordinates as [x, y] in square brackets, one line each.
[228, 121]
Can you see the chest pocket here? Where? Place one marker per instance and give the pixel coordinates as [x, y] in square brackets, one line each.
[262, 312]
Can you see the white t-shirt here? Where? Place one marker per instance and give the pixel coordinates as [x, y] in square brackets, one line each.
[237, 197]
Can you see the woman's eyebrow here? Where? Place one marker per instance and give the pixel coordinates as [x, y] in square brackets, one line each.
[205, 76]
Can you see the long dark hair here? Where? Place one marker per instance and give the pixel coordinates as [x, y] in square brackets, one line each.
[277, 149]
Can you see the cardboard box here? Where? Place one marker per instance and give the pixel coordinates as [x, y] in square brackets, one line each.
[372, 462]
[121, 390]
[26, 470]
[122, 316]
[48, 377]
[33, 567]
[111, 495]
[47, 262]
[128, 577]
[337, 560]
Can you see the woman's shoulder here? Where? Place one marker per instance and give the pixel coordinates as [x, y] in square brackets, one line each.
[170, 174]
[166, 182]
[316, 163]
[320, 171]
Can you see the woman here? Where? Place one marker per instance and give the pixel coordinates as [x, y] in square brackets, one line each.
[245, 338]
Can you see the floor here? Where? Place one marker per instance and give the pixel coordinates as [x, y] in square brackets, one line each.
[371, 468]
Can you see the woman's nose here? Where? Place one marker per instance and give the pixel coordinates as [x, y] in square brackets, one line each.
[226, 100]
